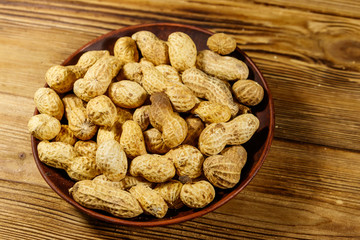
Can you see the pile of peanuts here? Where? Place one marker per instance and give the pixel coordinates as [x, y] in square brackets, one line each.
[156, 125]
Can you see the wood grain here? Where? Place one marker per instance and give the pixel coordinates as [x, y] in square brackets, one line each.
[309, 52]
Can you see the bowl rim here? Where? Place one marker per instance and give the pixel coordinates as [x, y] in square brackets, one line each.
[200, 212]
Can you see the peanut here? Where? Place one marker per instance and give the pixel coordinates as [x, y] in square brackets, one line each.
[216, 136]
[224, 170]
[223, 67]
[131, 71]
[108, 133]
[60, 78]
[170, 73]
[221, 43]
[80, 124]
[82, 168]
[44, 127]
[107, 198]
[101, 111]
[170, 192]
[182, 51]
[125, 50]
[188, 161]
[56, 154]
[125, 183]
[141, 117]
[111, 160]
[71, 101]
[248, 92]
[162, 117]
[154, 141]
[151, 47]
[123, 115]
[212, 112]
[66, 136]
[210, 88]
[86, 148]
[154, 168]
[195, 127]
[127, 94]
[197, 194]
[132, 139]
[85, 61]
[150, 200]
[48, 101]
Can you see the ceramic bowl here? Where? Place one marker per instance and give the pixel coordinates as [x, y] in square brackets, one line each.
[257, 147]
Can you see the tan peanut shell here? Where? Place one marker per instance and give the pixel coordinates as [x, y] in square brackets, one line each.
[151, 47]
[111, 160]
[187, 160]
[86, 148]
[210, 88]
[182, 51]
[125, 183]
[224, 170]
[248, 92]
[131, 71]
[56, 154]
[195, 127]
[153, 80]
[162, 117]
[107, 198]
[80, 124]
[101, 111]
[125, 50]
[216, 136]
[154, 141]
[123, 115]
[221, 43]
[48, 101]
[71, 101]
[212, 112]
[223, 67]
[170, 192]
[60, 78]
[85, 61]
[141, 117]
[66, 136]
[146, 63]
[109, 133]
[127, 94]
[197, 194]
[170, 73]
[82, 168]
[154, 168]
[150, 200]
[132, 139]
[44, 127]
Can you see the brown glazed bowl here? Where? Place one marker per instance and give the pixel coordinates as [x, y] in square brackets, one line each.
[257, 148]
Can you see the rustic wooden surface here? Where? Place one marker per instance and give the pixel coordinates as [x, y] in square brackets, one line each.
[309, 52]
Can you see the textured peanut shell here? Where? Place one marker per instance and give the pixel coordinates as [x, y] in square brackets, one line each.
[125, 50]
[80, 124]
[221, 43]
[56, 154]
[153, 80]
[48, 101]
[66, 136]
[82, 168]
[170, 73]
[60, 78]
[154, 141]
[131, 71]
[150, 200]
[170, 192]
[223, 67]
[224, 170]
[141, 117]
[212, 112]
[127, 94]
[86, 60]
[151, 47]
[146, 63]
[197, 194]
[123, 115]
[181, 97]
[125, 183]
[162, 117]
[195, 127]
[154, 168]
[71, 101]
[107, 198]
[216, 136]
[210, 88]
[187, 160]
[182, 51]
[248, 92]
[111, 160]
[101, 111]
[109, 133]
[132, 139]
[86, 148]
[44, 127]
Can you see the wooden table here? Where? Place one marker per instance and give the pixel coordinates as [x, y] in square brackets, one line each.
[308, 51]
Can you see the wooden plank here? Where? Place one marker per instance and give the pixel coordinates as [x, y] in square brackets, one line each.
[298, 193]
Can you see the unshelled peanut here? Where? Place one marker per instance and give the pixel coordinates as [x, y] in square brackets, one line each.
[221, 43]
[48, 101]
[44, 126]
[132, 139]
[197, 194]
[248, 92]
